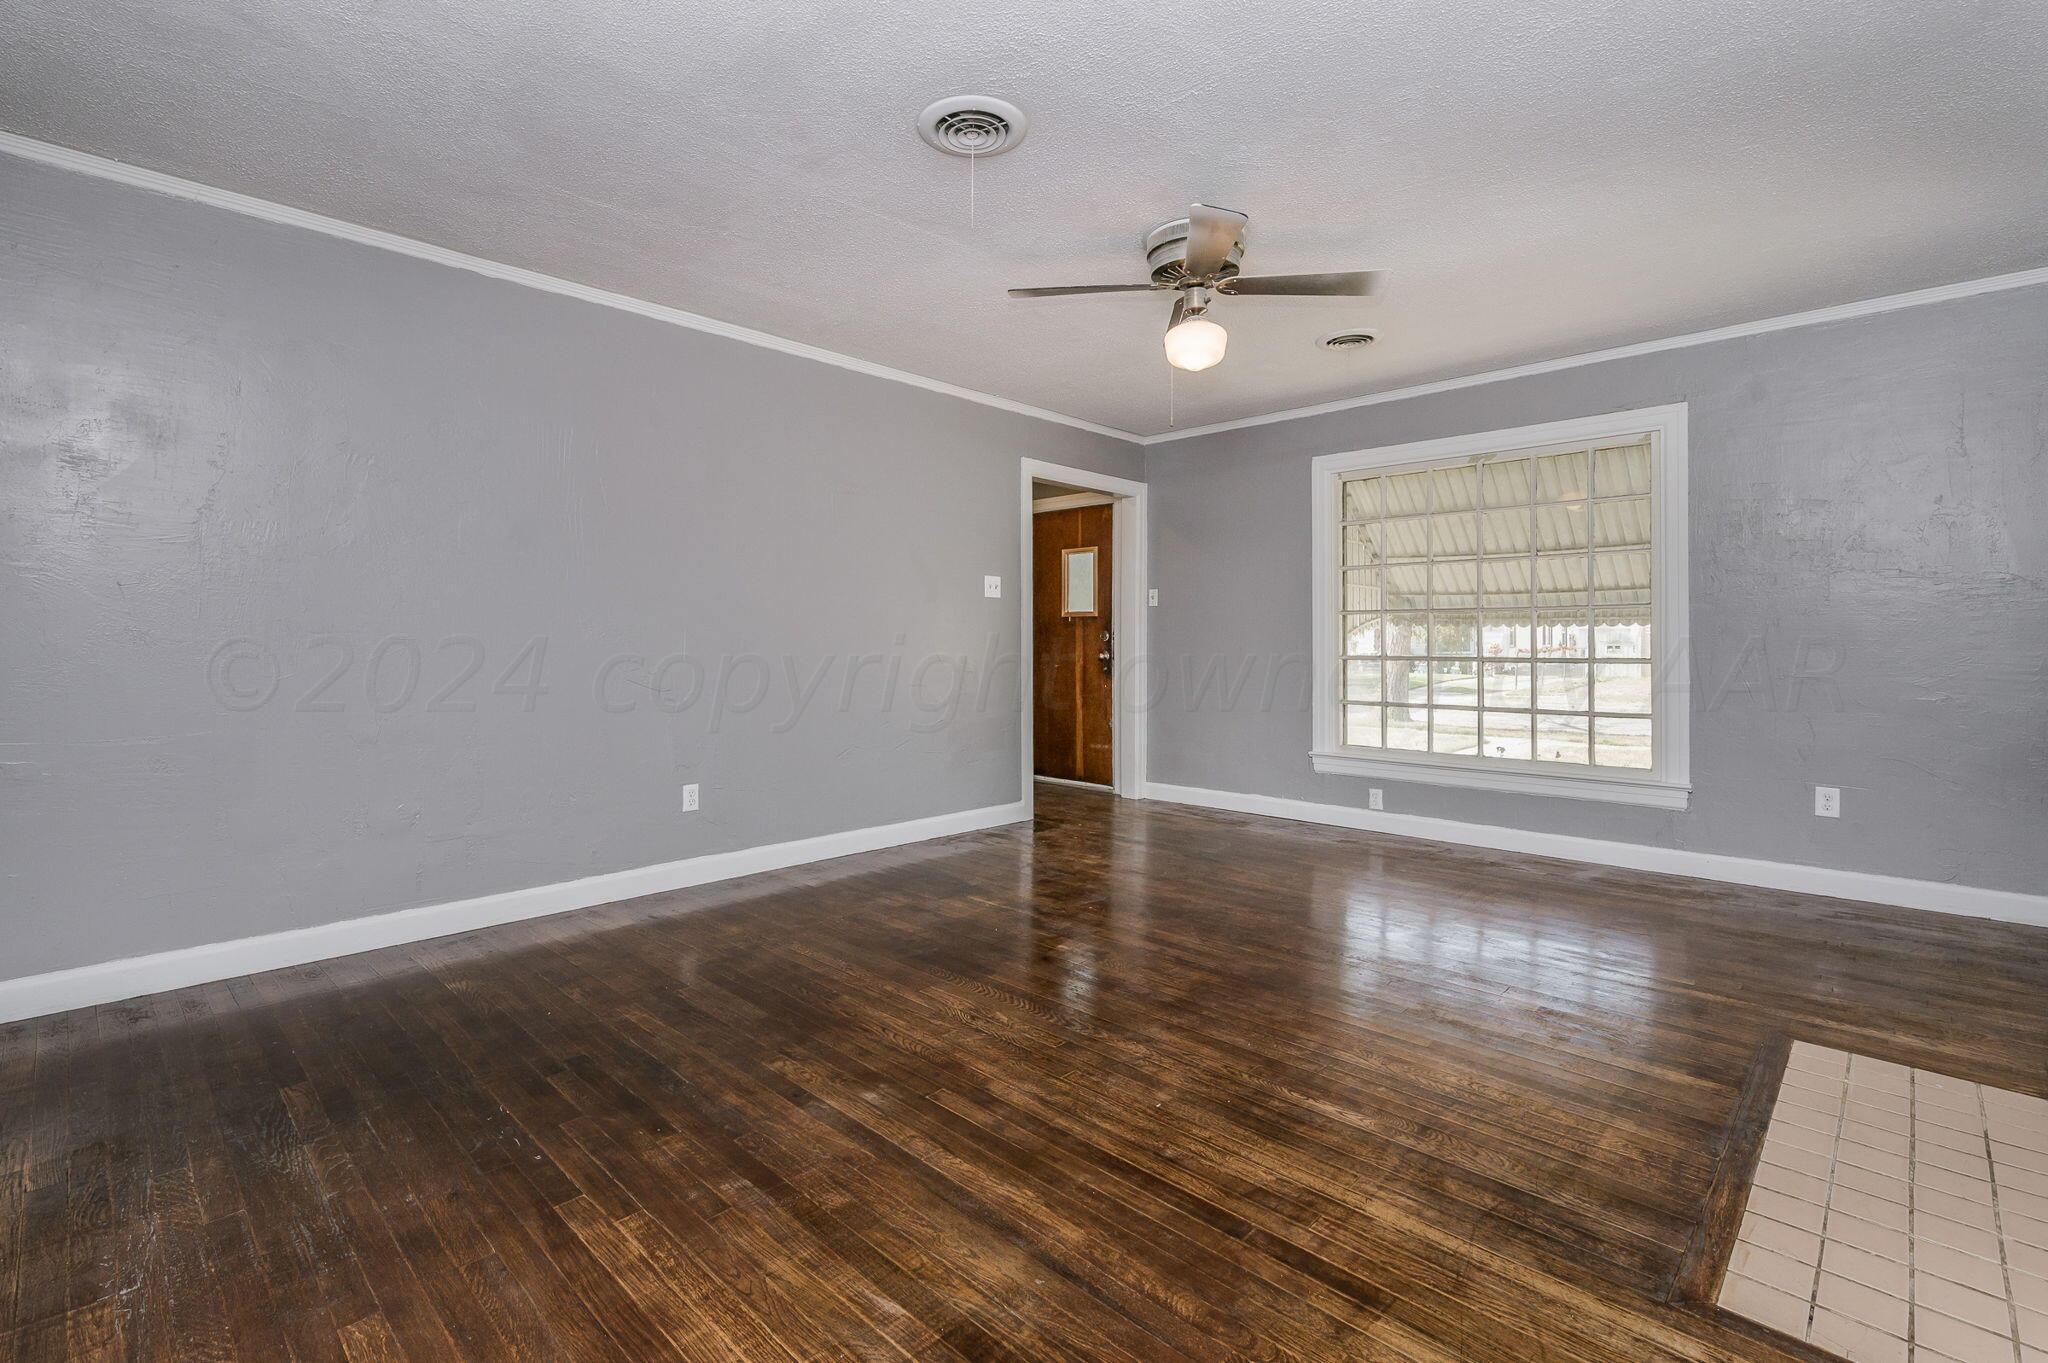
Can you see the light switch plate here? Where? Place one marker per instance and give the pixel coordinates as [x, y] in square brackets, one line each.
[1152, 597]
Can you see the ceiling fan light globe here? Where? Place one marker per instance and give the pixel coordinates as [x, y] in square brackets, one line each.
[1195, 344]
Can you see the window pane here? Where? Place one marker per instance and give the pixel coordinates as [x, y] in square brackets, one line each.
[1362, 680]
[1507, 684]
[1621, 469]
[1561, 686]
[1407, 494]
[1454, 683]
[1407, 585]
[1407, 541]
[1456, 488]
[1362, 589]
[1407, 682]
[1505, 634]
[1562, 575]
[1505, 736]
[1407, 635]
[1408, 728]
[1622, 743]
[1454, 583]
[1622, 633]
[1622, 575]
[1362, 726]
[1455, 731]
[1362, 546]
[1507, 532]
[1561, 634]
[1505, 581]
[1507, 481]
[1622, 524]
[1561, 738]
[1362, 634]
[1454, 635]
[1455, 536]
[1361, 499]
[1561, 477]
[1623, 687]
[1562, 526]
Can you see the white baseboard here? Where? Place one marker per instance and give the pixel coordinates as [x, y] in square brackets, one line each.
[110, 981]
[2005, 906]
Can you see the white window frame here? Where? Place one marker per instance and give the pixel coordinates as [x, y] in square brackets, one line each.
[1667, 784]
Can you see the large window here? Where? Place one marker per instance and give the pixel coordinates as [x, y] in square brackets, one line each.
[1498, 610]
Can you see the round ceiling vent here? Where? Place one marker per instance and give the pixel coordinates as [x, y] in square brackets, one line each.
[1349, 340]
[973, 125]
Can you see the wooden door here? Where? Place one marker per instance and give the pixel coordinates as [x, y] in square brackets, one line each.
[1071, 644]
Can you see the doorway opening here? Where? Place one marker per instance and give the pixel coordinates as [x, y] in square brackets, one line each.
[1083, 629]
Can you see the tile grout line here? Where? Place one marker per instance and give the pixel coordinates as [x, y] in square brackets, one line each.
[1828, 1197]
[2012, 1310]
[1912, 1211]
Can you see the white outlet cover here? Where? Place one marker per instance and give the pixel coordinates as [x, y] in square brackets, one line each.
[689, 798]
[1827, 801]
[991, 586]
[1377, 799]
[1152, 596]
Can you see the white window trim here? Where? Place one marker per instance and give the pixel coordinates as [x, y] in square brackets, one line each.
[1667, 785]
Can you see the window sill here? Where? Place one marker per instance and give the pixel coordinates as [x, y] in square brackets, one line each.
[1609, 789]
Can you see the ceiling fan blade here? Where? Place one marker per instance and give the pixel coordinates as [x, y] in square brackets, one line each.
[1349, 284]
[1212, 233]
[1065, 290]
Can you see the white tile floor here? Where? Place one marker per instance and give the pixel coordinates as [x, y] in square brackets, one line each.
[1898, 1216]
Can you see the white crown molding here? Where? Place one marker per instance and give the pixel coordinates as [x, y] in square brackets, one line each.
[110, 981]
[1969, 288]
[1934, 896]
[100, 167]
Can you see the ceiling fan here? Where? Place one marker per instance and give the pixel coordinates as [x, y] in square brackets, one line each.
[1198, 256]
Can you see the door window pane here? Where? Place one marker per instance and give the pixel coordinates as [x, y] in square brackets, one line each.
[1561, 634]
[1362, 589]
[1621, 633]
[1622, 524]
[1506, 532]
[1408, 494]
[1455, 488]
[1362, 546]
[1505, 582]
[1362, 680]
[1454, 536]
[1506, 481]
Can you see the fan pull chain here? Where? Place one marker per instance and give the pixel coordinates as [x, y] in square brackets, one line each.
[1169, 397]
[971, 159]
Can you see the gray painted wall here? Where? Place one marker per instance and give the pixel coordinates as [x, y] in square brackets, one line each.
[232, 452]
[1875, 489]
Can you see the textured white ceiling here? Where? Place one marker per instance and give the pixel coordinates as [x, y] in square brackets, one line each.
[1541, 178]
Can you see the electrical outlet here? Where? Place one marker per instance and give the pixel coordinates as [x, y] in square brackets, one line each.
[690, 798]
[1376, 799]
[1827, 802]
[1152, 596]
[991, 586]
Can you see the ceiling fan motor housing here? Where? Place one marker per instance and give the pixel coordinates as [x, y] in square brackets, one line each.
[1166, 253]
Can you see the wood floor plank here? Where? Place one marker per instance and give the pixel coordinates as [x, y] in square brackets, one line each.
[1132, 1082]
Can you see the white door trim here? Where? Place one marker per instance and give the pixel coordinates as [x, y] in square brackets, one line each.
[1131, 627]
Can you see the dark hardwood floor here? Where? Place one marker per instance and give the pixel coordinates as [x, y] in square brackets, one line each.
[1139, 1082]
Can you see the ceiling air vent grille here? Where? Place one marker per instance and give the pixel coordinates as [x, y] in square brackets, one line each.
[1349, 340]
[973, 125]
